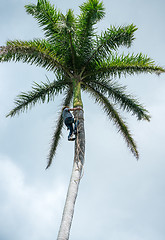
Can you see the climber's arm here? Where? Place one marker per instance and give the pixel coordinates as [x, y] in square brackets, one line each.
[74, 109]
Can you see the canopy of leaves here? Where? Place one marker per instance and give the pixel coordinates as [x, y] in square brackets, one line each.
[78, 56]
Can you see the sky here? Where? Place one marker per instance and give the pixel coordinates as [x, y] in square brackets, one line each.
[119, 198]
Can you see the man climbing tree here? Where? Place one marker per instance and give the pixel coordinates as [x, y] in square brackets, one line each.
[81, 61]
[69, 121]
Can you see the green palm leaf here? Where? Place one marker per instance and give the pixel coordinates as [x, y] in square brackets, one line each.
[92, 11]
[117, 66]
[57, 133]
[66, 44]
[47, 17]
[56, 26]
[38, 52]
[112, 39]
[119, 96]
[40, 93]
[115, 117]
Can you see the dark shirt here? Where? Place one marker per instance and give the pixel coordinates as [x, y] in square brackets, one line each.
[66, 114]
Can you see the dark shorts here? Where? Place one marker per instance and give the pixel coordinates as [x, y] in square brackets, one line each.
[69, 121]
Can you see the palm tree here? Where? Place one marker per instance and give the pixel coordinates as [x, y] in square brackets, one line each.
[81, 61]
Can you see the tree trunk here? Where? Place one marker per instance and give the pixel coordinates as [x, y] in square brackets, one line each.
[75, 179]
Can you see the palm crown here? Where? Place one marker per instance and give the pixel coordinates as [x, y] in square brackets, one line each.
[80, 60]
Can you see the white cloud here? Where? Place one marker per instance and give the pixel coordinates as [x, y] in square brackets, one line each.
[28, 211]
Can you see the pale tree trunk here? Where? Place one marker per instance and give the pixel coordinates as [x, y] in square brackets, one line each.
[75, 179]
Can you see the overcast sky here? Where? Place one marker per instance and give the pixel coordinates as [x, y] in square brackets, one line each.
[119, 198]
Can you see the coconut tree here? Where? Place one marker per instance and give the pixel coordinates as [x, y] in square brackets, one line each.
[81, 60]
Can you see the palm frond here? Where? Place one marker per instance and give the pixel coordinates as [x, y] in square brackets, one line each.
[38, 52]
[115, 117]
[40, 93]
[92, 11]
[47, 16]
[71, 22]
[118, 94]
[112, 39]
[117, 66]
[66, 42]
[57, 27]
[57, 133]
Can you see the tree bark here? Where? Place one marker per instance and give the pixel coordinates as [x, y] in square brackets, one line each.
[68, 212]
